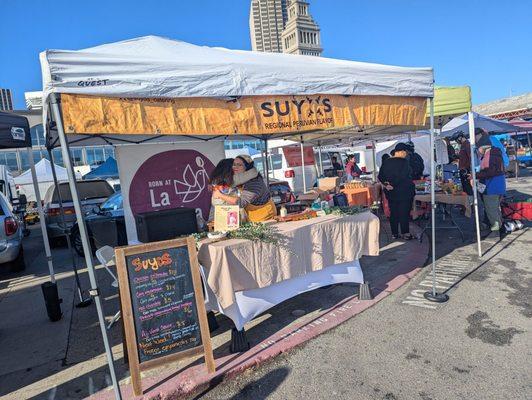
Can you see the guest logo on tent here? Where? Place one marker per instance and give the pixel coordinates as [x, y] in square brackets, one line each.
[18, 133]
[93, 82]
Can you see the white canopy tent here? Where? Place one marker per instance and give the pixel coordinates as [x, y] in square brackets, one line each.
[43, 169]
[206, 93]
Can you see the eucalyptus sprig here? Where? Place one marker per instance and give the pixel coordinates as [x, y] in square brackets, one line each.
[257, 231]
[351, 210]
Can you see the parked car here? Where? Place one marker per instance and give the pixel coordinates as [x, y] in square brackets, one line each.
[91, 194]
[11, 234]
[105, 225]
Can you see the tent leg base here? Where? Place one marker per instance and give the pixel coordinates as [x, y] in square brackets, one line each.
[436, 298]
[364, 292]
[239, 341]
[84, 303]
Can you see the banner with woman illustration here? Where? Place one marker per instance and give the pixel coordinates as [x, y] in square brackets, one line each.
[166, 176]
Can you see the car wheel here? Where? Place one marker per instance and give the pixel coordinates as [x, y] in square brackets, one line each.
[55, 241]
[18, 264]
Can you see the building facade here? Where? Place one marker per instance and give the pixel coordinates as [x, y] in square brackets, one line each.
[33, 100]
[266, 22]
[6, 100]
[301, 34]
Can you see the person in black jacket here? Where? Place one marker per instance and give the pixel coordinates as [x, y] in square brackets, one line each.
[396, 176]
[416, 162]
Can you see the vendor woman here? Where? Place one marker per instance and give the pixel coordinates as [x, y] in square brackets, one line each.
[254, 197]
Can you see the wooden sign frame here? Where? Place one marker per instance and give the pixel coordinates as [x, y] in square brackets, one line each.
[135, 366]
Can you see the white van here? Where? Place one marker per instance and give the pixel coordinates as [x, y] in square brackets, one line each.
[283, 169]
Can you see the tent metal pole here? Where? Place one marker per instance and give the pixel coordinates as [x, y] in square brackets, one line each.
[374, 155]
[265, 162]
[47, 250]
[472, 145]
[94, 291]
[432, 295]
[82, 302]
[321, 160]
[303, 166]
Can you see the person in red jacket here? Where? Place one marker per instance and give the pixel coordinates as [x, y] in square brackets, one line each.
[351, 168]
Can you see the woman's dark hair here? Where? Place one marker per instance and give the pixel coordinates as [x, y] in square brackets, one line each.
[248, 164]
[223, 173]
[384, 157]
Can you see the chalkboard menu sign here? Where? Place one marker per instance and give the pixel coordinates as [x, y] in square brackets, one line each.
[163, 305]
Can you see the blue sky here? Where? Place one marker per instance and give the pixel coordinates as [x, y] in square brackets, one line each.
[484, 44]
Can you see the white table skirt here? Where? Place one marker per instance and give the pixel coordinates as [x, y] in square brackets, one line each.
[250, 303]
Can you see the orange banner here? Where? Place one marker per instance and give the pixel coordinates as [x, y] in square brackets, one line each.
[246, 115]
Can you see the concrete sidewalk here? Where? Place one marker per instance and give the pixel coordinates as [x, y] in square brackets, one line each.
[76, 367]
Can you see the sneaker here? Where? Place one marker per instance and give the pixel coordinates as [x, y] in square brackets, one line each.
[395, 237]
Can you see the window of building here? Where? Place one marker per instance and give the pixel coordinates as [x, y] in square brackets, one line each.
[24, 164]
[58, 157]
[37, 135]
[95, 155]
[38, 155]
[108, 151]
[76, 155]
[9, 159]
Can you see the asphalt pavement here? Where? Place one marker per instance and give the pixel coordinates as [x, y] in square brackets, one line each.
[476, 346]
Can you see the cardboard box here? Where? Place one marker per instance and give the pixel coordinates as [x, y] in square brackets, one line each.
[312, 195]
[329, 184]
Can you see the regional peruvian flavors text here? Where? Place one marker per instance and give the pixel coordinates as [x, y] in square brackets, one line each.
[164, 306]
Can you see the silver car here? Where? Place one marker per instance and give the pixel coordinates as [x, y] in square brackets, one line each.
[11, 234]
[91, 194]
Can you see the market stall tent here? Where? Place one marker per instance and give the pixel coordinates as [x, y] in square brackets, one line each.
[490, 125]
[109, 169]
[450, 101]
[43, 169]
[154, 89]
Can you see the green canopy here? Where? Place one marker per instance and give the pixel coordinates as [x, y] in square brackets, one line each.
[452, 100]
[449, 102]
